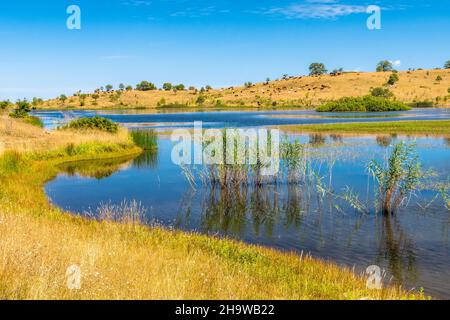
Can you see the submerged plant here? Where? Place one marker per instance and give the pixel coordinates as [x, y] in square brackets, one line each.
[398, 178]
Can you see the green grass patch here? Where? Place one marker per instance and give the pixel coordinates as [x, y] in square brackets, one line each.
[438, 127]
[363, 104]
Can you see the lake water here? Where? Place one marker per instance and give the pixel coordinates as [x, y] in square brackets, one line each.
[163, 120]
[413, 246]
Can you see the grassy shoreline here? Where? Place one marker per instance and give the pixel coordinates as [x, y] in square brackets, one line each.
[427, 127]
[131, 261]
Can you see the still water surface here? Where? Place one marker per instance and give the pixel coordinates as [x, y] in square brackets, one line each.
[413, 246]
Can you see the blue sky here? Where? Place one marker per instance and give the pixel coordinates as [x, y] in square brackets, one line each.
[219, 43]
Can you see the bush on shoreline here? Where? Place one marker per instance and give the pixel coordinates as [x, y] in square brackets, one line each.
[94, 123]
[363, 104]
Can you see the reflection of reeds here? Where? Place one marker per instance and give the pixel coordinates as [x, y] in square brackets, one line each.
[147, 159]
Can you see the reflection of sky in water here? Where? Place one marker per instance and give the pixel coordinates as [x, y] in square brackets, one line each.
[413, 246]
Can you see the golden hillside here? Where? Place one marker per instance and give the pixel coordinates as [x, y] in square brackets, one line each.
[306, 92]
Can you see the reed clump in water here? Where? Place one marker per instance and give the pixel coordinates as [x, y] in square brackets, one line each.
[146, 139]
[398, 178]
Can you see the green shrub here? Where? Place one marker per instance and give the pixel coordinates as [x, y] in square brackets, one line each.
[5, 104]
[95, 123]
[22, 109]
[362, 104]
[439, 78]
[422, 104]
[393, 79]
[381, 92]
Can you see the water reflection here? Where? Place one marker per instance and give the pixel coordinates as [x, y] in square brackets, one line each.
[97, 169]
[297, 213]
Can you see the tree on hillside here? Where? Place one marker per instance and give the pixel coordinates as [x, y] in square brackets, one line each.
[167, 86]
[121, 86]
[447, 65]
[208, 87]
[337, 72]
[179, 87]
[37, 101]
[62, 98]
[108, 87]
[384, 66]
[145, 86]
[129, 88]
[317, 69]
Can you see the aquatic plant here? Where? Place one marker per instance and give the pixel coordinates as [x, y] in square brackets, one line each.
[445, 197]
[144, 138]
[398, 178]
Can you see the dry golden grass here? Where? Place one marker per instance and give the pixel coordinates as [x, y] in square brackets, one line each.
[128, 261]
[305, 92]
[22, 137]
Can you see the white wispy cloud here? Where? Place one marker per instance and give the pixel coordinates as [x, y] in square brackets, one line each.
[317, 9]
[396, 63]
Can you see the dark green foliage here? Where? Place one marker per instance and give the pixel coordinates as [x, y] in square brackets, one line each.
[439, 78]
[337, 72]
[145, 86]
[381, 92]
[422, 104]
[179, 87]
[146, 139]
[201, 99]
[393, 79]
[317, 69]
[5, 104]
[167, 86]
[23, 107]
[95, 123]
[363, 104]
[384, 66]
[447, 65]
[62, 98]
